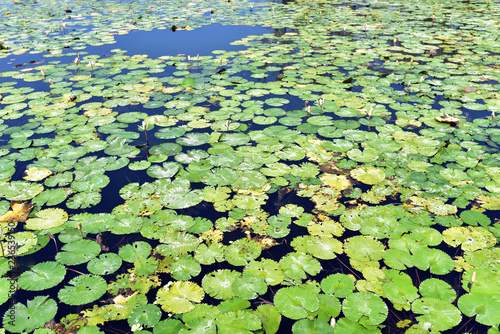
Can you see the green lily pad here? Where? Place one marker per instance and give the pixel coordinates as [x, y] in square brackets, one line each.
[145, 316]
[242, 251]
[35, 313]
[340, 285]
[218, 283]
[295, 302]
[365, 308]
[42, 276]
[249, 287]
[434, 260]
[484, 307]
[178, 194]
[297, 265]
[185, 268]
[78, 252]
[178, 297]
[19, 190]
[439, 313]
[270, 317]
[436, 288]
[138, 249]
[316, 326]
[105, 264]
[22, 241]
[83, 289]
[470, 238]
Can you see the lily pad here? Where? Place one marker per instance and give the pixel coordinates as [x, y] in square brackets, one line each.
[46, 219]
[295, 302]
[42, 276]
[365, 308]
[83, 289]
[34, 314]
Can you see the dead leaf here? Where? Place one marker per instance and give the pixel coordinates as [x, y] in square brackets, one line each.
[19, 213]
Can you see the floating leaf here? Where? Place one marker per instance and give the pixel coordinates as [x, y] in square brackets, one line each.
[365, 308]
[22, 242]
[297, 265]
[437, 261]
[470, 238]
[484, 306]
[295, 302]
[184, 268]
[238, 321]
[178, 194]
[145, 316]
[37, 174]
[83, 289]
[19, 213]
[105, 264]
[270, 317]
[368, 175]
[440, 314]
[218, 283]
[249, 287]
[306, 326]
[436, 288]
[19, 190]
[242, 251]
[42, 276]
[78, 252]
[177, 297]
[34, 314]
[138, 249]
[46, 219]
[340, 285]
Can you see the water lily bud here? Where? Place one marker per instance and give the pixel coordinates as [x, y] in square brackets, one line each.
[411, 62]
[189, 58]
[321, 101]
[395, 41]
[308, 110]
[370, 112]
[79, 226]
[409, 84]
[51, 82]
[43, 73]
[197, 57]
[421, 79]
[227, 124]
[332, 322]
[479, 157]
[76, 61]
[473, 278]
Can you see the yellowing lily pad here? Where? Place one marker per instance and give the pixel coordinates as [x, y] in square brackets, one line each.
[48, 218]
[37, 174]
[370, 175]
[337, 182]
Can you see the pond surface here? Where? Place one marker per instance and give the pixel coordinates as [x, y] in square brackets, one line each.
[253, 167]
